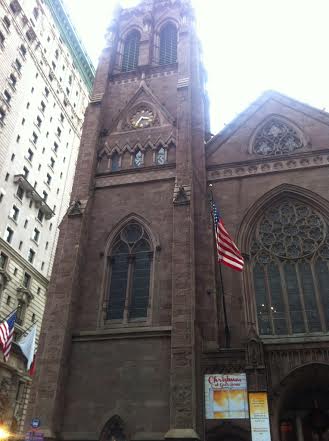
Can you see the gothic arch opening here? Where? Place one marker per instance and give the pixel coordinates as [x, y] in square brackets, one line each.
[303, 406]
[113, 430]
[288, 267]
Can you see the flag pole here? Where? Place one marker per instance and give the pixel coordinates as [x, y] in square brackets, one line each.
[26, 330]
[221, 283]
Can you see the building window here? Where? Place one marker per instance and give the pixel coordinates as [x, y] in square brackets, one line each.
[55, 147]
[138, 159]
[26, 280]
[30, 155]
[42, 266]
[14, 213]
[28, 105]
[15, 7]
[38, 290]
[168, 44]
[2, 115]
[45, 196]
[290, 257]
[48, 179]
[12, 80]
[3, 260]
[46, 91]
[40, 215]
[12, 157]
[43, 106]
[9, 235]
[50, 226]
[129, 274]
[18, 65]
[39, 167]
[32, 90]
[39, 121]
[18, 139]
[7, 177]
[34, 138]
[52, 162]
[6, 22]
[56, 54]
[23, 121]
[23, 50]
[2, 38]
[20, 192]
[115, 162]
[20, 245]
[46, 247]
[26, 172]
[62, 118]
[160, 156]
[31, 255]
[33, 317]
[8, 301]
[36, 235]
[131, 52]
[26, 223]
[7, 96]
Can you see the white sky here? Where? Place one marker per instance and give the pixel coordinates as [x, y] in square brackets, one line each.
[249, 46]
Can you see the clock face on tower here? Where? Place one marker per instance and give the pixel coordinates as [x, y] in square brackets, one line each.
[142, 118]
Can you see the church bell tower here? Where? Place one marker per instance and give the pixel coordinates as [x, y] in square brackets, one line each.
[118, 355]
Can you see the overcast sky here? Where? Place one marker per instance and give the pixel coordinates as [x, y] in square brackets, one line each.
[249, 46]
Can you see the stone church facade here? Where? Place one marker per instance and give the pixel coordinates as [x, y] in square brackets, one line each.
[135, 317]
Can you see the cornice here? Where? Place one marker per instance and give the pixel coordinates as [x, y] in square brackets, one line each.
[71, 38]
[268, 165]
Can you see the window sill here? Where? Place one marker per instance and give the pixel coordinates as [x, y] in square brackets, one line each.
[35, 242]
[13, 220]
[300, 338]
[123, 333]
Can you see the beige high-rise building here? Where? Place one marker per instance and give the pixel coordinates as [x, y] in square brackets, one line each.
[45, 80]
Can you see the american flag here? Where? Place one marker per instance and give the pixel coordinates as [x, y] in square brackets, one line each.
[227, 252]
[7, 328]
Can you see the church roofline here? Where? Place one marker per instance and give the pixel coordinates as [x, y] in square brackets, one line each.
[71, 38]
[240, 119]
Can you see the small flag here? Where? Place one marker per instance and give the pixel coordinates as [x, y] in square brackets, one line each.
[7, 328]
[33, 367]
[227, 252]
[27, 345]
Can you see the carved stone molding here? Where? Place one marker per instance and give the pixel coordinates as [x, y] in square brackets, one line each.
[133, 176]
[182, 195]
[256, 168]
[282, 361]
[77, 208]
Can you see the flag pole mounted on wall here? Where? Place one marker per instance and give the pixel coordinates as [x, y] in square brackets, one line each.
[227, 253]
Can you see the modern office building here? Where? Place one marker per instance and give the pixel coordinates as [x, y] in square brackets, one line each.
[45, 80]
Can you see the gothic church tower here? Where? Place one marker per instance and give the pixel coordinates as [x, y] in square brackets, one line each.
[118, 355]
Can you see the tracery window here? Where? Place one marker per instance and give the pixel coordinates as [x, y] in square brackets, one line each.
[138, 159]
[290, 261]
[168, 44]
[160, 157]
[129, 275]
[131, 52]
[276, 137]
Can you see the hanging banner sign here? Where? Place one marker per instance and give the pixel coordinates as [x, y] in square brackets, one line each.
[226, 396]
[259, 417]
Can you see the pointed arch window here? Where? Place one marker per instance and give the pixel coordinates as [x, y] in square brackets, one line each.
[129, 278]
[115, 162]
[168, 44]
[160, 157]
[138, 159]
[131, 52]
[290, 262]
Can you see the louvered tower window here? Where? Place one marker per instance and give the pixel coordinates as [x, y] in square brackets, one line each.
[168, 44]
[131, 52]
[290, 259]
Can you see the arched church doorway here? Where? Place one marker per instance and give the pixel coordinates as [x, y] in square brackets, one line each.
[113, 430]
[304, 405]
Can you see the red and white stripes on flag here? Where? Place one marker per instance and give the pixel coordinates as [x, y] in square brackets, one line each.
[227, 252]
[7, 328]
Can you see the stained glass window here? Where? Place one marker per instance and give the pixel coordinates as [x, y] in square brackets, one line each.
[290, 256]
[138, 159]
[131, 52]
[129, 278]
[276, 137]
[161, 156]
[168, 44]
[115, 162]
